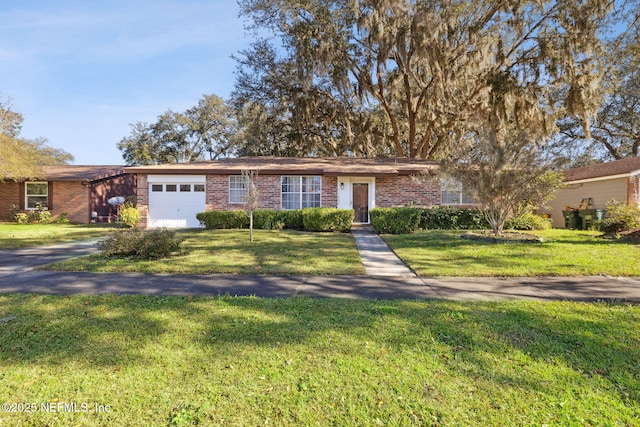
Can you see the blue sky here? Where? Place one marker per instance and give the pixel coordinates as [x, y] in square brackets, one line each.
[81, 72]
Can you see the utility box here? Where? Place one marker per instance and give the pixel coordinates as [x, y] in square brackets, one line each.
[572, 219]
[588, 216]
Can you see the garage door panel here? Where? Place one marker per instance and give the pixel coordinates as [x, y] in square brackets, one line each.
[175, 204]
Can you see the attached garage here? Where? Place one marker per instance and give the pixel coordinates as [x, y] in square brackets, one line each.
[174, 200]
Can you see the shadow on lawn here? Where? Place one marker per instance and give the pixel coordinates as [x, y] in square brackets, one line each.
[591, 340]
[96, 330]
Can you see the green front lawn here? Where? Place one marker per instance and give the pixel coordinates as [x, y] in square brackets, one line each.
[564, 253]
[229, 251]
[15, 236]
[152, 360]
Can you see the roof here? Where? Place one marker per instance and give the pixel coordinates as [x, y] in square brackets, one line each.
[353, 166]
[628, 166]
[80, 173]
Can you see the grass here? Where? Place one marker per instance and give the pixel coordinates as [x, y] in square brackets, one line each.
[248, 361]
[229, 251]
[564, 253]
[16, 236]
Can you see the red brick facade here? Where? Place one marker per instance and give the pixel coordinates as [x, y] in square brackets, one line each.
[74, 198]
[269, 187]
[71, 198]
[390, 191]
[633, 190]
[403, 190]
[142, 196]
[9, 195]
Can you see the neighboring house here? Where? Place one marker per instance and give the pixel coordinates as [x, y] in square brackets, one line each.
[171, 195]
[76, 191]
[618, 180]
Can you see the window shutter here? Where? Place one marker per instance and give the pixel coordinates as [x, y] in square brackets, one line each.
[50, 195]
[21, 194]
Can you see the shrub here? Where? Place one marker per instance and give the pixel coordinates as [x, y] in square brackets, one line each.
[291, 219]
[265, 219]
[395, 220]
[452, 218]
[130, 216]
[223, 219]
[63, 218]
[620, 217]
[527, 221]
[21, 218]
[41, 215]
[327, 219]
[136, 243]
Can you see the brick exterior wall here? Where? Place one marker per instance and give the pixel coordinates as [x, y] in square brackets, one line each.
[73, 198]
[633, 190]
[69, 197]
[9, 195]
[269, 187]
[142, 197]
[329, 192]
[401, 190]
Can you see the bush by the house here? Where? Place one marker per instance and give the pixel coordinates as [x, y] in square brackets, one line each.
[395, 220]
[213, 220]
[292, 220]
[452, 218]
[63, 218]
[327, 219]
[136, 243]
[41, 214]
[620, 217]
[21, 218]
[527, 221]
[317, 219]
[130, 216]
[265, 219]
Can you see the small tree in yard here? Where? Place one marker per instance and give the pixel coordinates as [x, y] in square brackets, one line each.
[505, 173]
[251, 197]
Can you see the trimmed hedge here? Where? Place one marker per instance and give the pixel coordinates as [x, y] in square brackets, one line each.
[395, 220]
[452, 218]
[327, 219]
[223, 219]
[310, 219]
[291, 220]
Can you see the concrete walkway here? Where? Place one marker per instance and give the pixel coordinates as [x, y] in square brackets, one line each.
[377, 258]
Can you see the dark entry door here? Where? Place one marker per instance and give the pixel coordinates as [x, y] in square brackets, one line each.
[361, 202]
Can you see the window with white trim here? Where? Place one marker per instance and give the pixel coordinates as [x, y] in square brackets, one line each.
[301, 192]
[36, 194]
[237, 189]
[452, 193]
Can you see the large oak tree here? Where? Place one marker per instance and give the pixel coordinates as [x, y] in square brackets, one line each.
[204, 131]
[432, 68]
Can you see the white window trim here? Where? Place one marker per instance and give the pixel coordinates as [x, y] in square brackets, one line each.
[243, 197]
[301, 192]
[26, 195]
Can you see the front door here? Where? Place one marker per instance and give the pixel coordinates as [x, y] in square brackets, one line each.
[361, 202]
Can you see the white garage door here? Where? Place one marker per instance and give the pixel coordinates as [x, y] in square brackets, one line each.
[174, 201]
